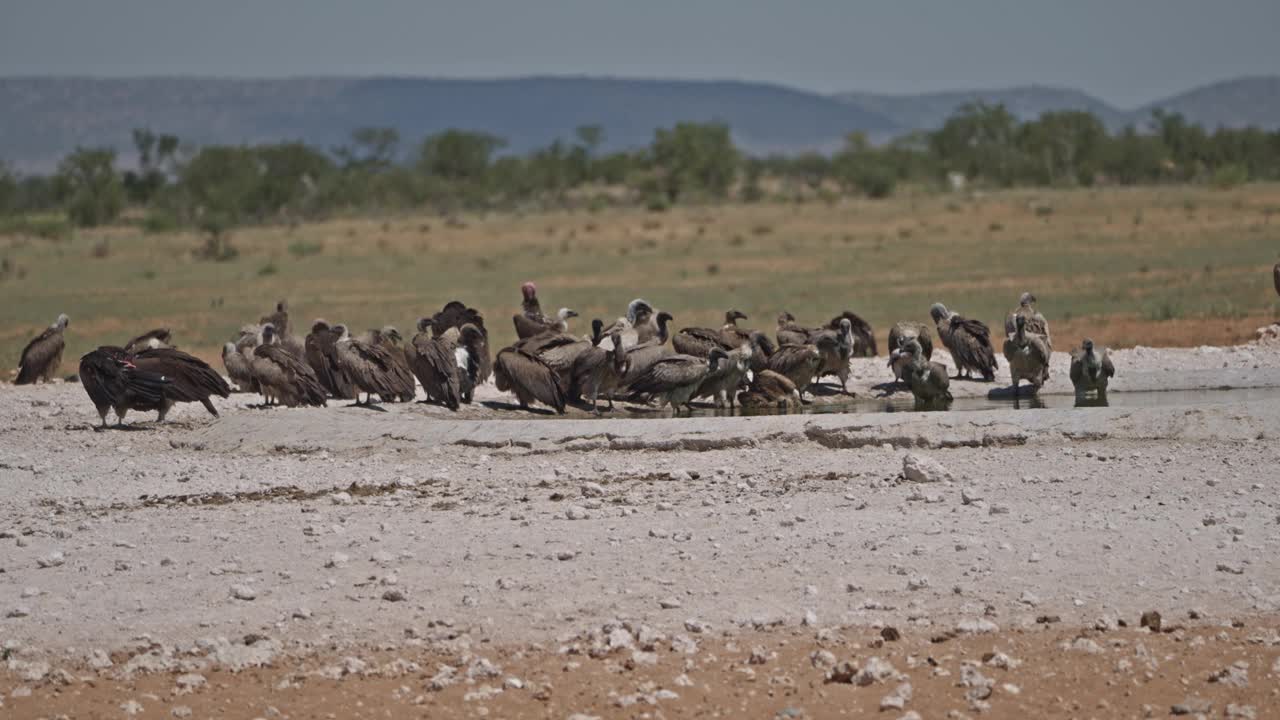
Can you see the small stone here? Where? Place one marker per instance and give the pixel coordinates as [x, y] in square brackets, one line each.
[302, 613]
[669, 603]
[918, 582]
[1233, 569]
[1029, 598]
[243, 592]
[576, 512]
[810, 619]
[890, 633]
[1151, 620]
[918, 468]
[1241, 712]
[340, 498]
[393, 595]
[180, 711]
[338, 559]
[1192, 706]
[592, 490]
[998, 509]
[53, 559]
[695, 626]
[1234, 675]
[20, 611]
[131, 707]
[190, 681]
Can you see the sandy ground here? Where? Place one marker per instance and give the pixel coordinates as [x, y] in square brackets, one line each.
[316, 560]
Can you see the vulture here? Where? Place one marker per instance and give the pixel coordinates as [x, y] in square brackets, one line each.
[282, 377]
[769, 389]
[239, 367]
[836, 348]
[558, 350]
[721, 384]
[1028, 356]
[969, 342]
[1035, 321]
[676, 378]
[434, 360]
[519, 370]
[369, 365]
[279, 320]
[864, 337]
[320, 355]
[452, 319]
[699, 342]
[798, 363]
[188, 378]
[42, 356]
[158, 338]
[599, 370]
[531, 320]
[388, 338]
[638, 326]
[645, 354]
[928, 380]
[1091, 370]
[791, 332]
[113, 382]
[472, 351]
[1275, 275]
[899, 334]
[762, 348]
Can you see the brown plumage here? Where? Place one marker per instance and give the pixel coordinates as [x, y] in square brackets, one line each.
[699, 342]
[642, 355]
[836, 348]
[532, 321]
[1091, 370]
[282, 377]
[190, 379]
[721, 383]
[790, 332]
[319, 351]
[1035, 321]
[388, 338]
[434, 361]
[1275, 276]
[278, 319]
[675, 379]
[798, 363]
[42, 356]
[518, 370]
[455, 315]
[769, 389]
[899, 334]
[369, 366]
[158, 338]
[239, 367]
[928, 380]
[558, 350]
[598, 370]
[1028, 355]
[114, 383]
[969, 342]
[864, 337]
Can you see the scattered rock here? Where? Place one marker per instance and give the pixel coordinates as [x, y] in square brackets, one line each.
[1234, 675]
[669, 603]
[1192, 706]
[393, 595]
[52, 560]
[918, 468]
[243, 592]
[1150, 620]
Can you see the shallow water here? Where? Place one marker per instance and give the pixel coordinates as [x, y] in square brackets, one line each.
[998, 399]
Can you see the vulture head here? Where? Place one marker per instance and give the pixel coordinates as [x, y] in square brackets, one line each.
[1087, 346]
[341, 331]
[1021, 323]
[912, 347]
[664, 317]
[1026, 300]
[717, 356]
[319, 326]
[424, 324]
[282, 306]
[733, 316]
[939, 312]
[228, 349]
[62, 321]
[529, 291]
[268, 334]
[566, 313]
[638, 310]
[391, 333]
[785, 317]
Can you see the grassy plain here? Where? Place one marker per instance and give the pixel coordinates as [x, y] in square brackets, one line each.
[1154, 266]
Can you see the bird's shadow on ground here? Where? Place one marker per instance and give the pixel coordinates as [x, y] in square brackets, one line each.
[496, 405]
[366, 406]
[123, 428]
[890, 389]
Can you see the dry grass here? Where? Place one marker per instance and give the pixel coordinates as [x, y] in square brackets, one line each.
[1166, 266]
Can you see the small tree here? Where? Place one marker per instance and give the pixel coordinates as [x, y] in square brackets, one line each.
[371, 149]
[94, 192]
[458, 155]
[8, 190]
[695, 158]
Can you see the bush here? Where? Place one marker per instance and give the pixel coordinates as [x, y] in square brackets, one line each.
[302, 248]
[49, 228]
[1230, 176]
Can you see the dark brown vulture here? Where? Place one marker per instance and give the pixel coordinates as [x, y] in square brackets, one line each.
[113, 382]
[434, 361]
[453, 317]
[969, 342]
[1027, 308]
[676, 378]
[282, 377]
[42, 356]
[189, 379]
[599, 369]
[369, 365]
[769, 389]
[389, 339]
[699, 342]
[320, 356]
[519, 370]
[864, 337]
[158, 338]
[532, 321]
[798, 363]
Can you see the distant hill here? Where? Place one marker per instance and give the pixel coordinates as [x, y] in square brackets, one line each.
[45, 117]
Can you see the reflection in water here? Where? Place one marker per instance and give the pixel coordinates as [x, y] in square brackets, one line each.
[1099, 400]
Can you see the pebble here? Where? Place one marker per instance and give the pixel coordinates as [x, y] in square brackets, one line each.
[393, 595]
[576, 512]
[697, 627]
[338, 559]
[669, 603]
[341, 498]
[592, 490]
[53, 559]
[918, 582]
[243, 592]
[918, 468]
[20, 611]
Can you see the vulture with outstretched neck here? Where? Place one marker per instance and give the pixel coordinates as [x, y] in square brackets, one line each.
[928, 380]
[639, 325]
[899, 334]
[282, 377]
[158, 338]
[42, 356]
[721, 384]
[969, 342]
[598, 370]
[642, 355]
[532, 321]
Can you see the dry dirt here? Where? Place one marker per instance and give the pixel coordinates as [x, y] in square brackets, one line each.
[332, 562]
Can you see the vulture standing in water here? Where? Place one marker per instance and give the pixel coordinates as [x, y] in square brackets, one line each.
[699, 342]
[114, 383]
[969, 342]
[189, 379]
[836, 348]
[451, 320]
[42, 356]
[721, 384]
[899, 334]
[321, 357]
[599, 370]
[369, 366]
[283, 377]
[638, 326]
[864, 337]
[645, 354]
[531, 320]
[797, 363]
[1028, 356]
[928, 380]
[388, 338]
[239, 367]
[1091, 370]
[518, 370]
[158, 338]
[676, 378]
[769, 389]
[1026, 308]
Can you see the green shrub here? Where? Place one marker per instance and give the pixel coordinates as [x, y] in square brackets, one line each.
[1230, 176]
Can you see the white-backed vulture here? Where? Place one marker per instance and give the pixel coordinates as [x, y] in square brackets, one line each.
[641, 356]
[699, 342]
[1091, 370]
[864, 336]
[282, 377]
[434, 361]
[320, 356]
[1035, 321]
[279, 320]
[769, 389]
[762, 348]
[836, 348]
[798, 363]
[518, 370]
[598, 370]
[969, 342]
[388, 338]
[721, 384]
[1028, 356]
[369, 366]
[42, 356]
[189, 379]
[790, 332]
[732, 336]
[239, 367]
[114, 383]
[558, 350]
[638, 326]
[899, 334]
[675, 379]
[928, 380]
[455, 315]
[158, 338]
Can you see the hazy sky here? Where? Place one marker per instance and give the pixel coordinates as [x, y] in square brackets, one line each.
[1125, 51]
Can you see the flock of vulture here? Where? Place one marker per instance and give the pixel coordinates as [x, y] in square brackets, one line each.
[636, 357]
